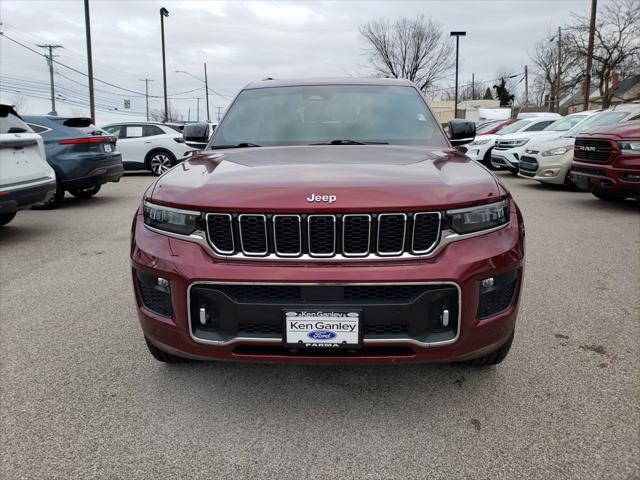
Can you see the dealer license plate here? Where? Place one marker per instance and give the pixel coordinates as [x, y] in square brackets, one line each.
[108, 148]
[321, 328]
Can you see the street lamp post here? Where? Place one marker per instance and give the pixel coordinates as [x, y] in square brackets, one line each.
[164, 13]
[457, 35]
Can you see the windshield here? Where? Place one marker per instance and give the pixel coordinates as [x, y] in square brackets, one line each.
[603, 118]
[303, 115]
[515, 126]
[486, 127]
[565, 123]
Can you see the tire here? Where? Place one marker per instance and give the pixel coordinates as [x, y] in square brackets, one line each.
[85, 192]
[571, 186]
[495, 357]
[607, 197]
[160, 161]
[162, 356]
[55, 201]
[486, 160]
[6, 218]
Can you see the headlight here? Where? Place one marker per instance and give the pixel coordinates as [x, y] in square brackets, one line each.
[173, 220]
[475, 219]
[482, 142]
[629, 148]
[557, 151]
[519, 143]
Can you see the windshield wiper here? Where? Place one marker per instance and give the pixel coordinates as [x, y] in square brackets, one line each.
[349, 142]
[236, 145]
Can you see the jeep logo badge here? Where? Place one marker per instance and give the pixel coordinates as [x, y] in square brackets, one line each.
[321, 198]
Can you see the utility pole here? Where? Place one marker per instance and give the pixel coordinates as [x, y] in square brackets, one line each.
[219, 113]
[164, 13]
[559, 68]
[206, 90]
[189, 115]
[455, 104]
[473, 86]
[526, 86]
[87, 23]
[592, 29]
[197, 109]
[49, 58]
[146, 92]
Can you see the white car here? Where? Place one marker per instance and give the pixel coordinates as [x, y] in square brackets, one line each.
[549, 161]
[148, 145]
[509, 148]
[25, 176]
[480, 149]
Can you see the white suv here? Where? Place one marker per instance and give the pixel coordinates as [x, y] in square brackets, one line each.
[148, 146]
[509, 148]
[25, 176]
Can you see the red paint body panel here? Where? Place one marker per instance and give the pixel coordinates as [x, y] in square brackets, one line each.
[361, 177]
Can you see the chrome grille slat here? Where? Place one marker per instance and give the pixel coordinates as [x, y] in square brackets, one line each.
[323, 236]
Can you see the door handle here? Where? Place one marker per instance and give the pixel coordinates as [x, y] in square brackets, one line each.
[148, 141]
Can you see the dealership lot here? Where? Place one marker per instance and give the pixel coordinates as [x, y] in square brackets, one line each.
[82, 397]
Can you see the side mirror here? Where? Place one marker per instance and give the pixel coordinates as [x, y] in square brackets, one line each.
[461, 132]
[196, 135]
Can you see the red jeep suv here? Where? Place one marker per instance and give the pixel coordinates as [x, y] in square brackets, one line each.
[328, 221]
[606, 161]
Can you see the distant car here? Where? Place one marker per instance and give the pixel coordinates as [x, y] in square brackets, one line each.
[149, 146]
[25, 176]
[480, 149]
[606, 161]
[550, 161]
[83, 156]
[494, 127]
[509, 148]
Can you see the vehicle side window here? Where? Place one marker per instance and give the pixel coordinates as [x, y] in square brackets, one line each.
[113, 130]
[38, 128]
[636, 117]
[151, 130]
[132, 131]
[536, 127]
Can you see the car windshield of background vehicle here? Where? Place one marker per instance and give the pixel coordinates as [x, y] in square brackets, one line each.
[486, 128]
[303, 115]
[515, 126]
[565, 124]
[604, 118]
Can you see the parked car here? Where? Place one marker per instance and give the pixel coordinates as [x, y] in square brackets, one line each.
[83, 156]
[149, 146]
[606, 161]
[509, 148]
[481, 148]
[25, 176]
[550, 161]
[329, 221]
[494, 127]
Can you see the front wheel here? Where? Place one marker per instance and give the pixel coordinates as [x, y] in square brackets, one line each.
[495, 357]
[85, 192]
[607, 197]
[6, 218]
[160, 162]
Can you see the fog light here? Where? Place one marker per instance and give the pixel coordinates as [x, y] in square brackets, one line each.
[163, 284]
[203, 316]
[487, 282]
[548, 173]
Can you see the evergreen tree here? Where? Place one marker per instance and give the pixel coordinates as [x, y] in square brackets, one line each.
[487, 94]
[503, 94]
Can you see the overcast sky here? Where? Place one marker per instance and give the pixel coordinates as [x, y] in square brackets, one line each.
[241, 42]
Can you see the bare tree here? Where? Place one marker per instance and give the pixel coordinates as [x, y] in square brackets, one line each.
[19, 104]
[415, 49]
[158, 116]
[616, 42]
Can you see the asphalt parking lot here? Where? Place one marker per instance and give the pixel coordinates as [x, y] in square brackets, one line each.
[82, 398]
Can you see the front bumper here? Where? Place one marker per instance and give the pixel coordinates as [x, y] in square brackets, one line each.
[460, 266]
[606, 178]
[21, 198]
[552, 170]
[505, 159]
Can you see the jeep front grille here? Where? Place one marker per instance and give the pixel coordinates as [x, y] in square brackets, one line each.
[323, 235]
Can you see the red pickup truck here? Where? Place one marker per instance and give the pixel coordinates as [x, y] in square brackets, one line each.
[328, 221]
[606, 161]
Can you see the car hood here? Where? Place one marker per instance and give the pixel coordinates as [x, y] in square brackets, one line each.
[532, 135]
[370, 178]
[547, 144]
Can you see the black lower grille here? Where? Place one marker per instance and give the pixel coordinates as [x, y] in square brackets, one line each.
[219, 312]
[589, 171]
[154, 297]
[529, 164]
[497, 298]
